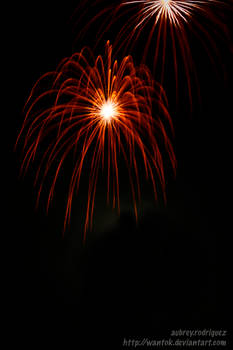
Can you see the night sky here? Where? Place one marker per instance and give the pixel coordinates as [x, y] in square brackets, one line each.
[139, 279]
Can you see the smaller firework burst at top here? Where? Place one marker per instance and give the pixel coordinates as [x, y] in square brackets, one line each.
[173, 19]
[168, 30]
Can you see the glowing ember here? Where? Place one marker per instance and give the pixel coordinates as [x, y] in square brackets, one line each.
[108, 111]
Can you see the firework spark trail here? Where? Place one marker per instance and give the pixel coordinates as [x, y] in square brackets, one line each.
[99, 110]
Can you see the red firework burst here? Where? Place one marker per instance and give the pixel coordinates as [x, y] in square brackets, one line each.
[99, 110]
[164, 22]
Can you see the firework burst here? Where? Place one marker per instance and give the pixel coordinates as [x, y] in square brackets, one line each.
[168, 26]
[99, 111]
[174, 19]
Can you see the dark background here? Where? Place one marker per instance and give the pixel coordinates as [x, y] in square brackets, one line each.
[129, 280]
